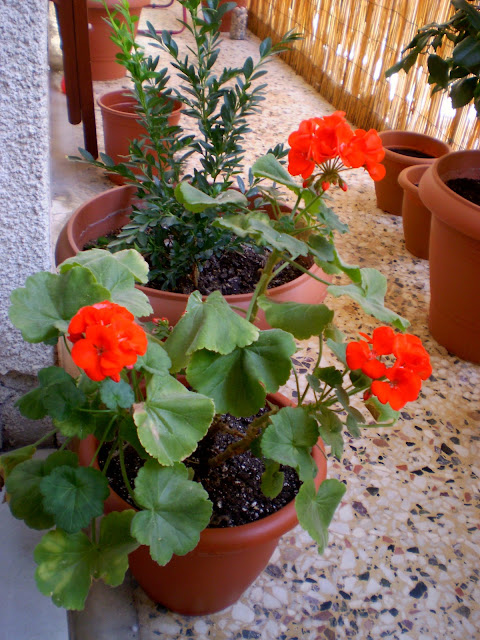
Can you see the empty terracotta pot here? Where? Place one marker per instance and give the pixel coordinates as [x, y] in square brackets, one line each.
[102, 50]
[401, 148]
[122, 124]
[416, 216]
[454, 315]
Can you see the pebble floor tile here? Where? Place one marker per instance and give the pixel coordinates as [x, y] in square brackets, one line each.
[402, 562]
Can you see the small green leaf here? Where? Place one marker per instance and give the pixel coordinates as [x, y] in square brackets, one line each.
[211, 325]
[330, 375]
[66, 563]
[115, 543]
[176, 510]
[239, 381]
[331, 428]
[74, 496]
[315, 510]
[172, 420]
[467, 53]
[197, 201]
[57, 395]
[116, 394]
[462, 92]
[289, 440]
[43, 309]
[301, 320]
[382, 413]
[155, 360]
[269, 167]
[439, 70]
[272, 479]
[8, 461]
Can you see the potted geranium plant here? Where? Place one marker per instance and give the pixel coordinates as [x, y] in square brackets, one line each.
[166, 435]
[450, 187]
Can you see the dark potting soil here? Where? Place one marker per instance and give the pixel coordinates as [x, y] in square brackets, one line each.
[233, 487]
[468, 188]
[412, 153]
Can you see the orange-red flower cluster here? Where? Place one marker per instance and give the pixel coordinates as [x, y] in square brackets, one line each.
[403, 379]
[105, 340]
[320, 139]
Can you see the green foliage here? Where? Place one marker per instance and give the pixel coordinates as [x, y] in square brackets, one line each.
[459, 73]
[315, 509]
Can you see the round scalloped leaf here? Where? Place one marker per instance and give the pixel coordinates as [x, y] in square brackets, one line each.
[115, 543]
[116, 394]
[289, 440]
[65, 566]
[301, 320]
[74, 496]
[176, 511]
[172, 420]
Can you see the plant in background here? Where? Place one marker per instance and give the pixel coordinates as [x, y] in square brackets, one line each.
[217, 106]
[457, 73]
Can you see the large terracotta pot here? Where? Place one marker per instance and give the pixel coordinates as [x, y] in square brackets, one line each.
[224, 563]
[389, 193]
[226, 22]
[416, 216]
[454, 316]
[122, 124]
[102, 50]
[111, 209]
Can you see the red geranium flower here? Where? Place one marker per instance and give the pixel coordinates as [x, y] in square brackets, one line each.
[404, 386]
[365, 149]
[411, 353]
[364, 354]
[98, 313]
[98, 354]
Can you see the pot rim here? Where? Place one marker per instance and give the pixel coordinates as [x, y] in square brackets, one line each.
[410, 177]
[228, 538]
[402, 138]
[125, 96]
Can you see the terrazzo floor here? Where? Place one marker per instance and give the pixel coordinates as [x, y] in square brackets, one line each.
[402, 562]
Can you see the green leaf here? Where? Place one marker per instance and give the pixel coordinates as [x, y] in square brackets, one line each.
[439, 70]
[289, 440]
[43, 309]
[370, 295]
[66, 563]
[79, 424]
[117, 272]
[197, 201]
[176, 511]
[74, 495]
[116, 394]
[301, 320]
[339, 349]
[239, 381]
[353, 426]
[315, 510]
[211, 325]
[23, 486]
[155, 360]
[115, 543]
[272, 479]
[57, 396]
[172, 420]
[8, 461]
[330, 375]
[467, 53]
[331, 427]
[258, 226]
[269, 167]
[462, 92]
[382, 413]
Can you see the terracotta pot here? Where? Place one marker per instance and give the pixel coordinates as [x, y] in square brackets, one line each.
[416, 216]
[102, 50]
[111, 209]
[454, 315]
[122, 124]
[389, 193]
[224, 563]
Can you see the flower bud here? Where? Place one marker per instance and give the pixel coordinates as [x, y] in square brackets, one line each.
[325, 185]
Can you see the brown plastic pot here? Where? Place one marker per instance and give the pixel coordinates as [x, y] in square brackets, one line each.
[454, 315]
[122, 124]
[111, 209]
[226, 22]
[102, 50]
[389, 193]
[416, 216]
[224, 563]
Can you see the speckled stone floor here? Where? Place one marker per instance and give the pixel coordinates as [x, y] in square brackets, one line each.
[402, 562]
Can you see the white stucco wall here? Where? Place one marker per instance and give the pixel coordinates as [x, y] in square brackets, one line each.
[24, 168]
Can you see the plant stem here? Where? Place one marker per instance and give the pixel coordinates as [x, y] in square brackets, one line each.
[124, 473]
[262, 285]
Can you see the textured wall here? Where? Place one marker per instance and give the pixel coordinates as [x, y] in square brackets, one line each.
[24, 168]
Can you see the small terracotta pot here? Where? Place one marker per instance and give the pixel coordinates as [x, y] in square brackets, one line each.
[122, 124]
[224, 563]
[389, 193]
[111, 209]
[226, 22]
[454, 315]
[102, 50]
[416, 216]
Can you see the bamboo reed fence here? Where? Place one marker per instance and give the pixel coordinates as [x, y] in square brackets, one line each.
[346, 48]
